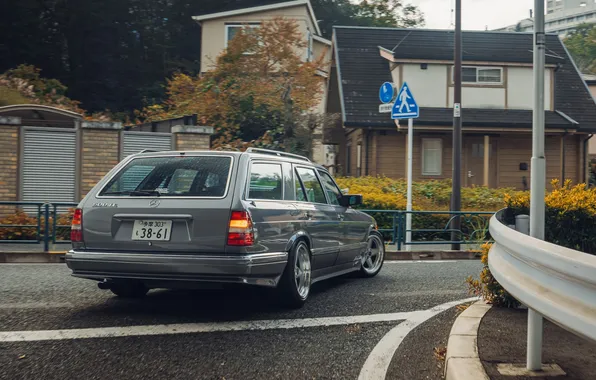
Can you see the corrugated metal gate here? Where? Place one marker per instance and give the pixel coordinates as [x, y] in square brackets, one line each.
[134, 142]
[48, 165]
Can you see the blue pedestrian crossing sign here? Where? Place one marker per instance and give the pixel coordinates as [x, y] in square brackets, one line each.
[405, 106]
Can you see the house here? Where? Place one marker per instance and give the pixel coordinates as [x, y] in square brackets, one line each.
[220, 23]
[591, 82]
[497, 100]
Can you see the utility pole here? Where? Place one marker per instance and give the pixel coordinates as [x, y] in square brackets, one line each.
[457, 134]
[537, 177]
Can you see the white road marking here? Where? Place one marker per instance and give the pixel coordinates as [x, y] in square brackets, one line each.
[113, 332]
[377, 363]
[420, 261]
[35, 305]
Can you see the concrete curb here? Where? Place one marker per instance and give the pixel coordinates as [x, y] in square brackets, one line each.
[462, 361]
[432, 255]
[58, 256]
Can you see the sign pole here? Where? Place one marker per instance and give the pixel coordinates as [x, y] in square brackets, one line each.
[537, 177]
[409, 200]
[457, 133]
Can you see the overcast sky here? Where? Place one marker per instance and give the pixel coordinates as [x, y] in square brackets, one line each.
[476, 14]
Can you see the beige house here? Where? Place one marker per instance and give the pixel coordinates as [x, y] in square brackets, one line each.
[591, 82]
[221, 23]
[497, 100]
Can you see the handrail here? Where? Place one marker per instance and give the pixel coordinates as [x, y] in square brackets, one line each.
[557, 282]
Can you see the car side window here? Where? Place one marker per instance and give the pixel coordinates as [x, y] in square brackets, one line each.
[332, 191]
[265, 182]
[312, 186]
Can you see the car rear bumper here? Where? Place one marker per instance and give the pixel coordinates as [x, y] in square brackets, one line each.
[263, 269]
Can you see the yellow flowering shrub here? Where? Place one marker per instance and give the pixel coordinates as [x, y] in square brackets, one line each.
[487, 287]
[568, 209]
[382, 193]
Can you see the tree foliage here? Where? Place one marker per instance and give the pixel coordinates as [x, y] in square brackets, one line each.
[115, 54]
[258, 90]
[381, 13]
[581, 43]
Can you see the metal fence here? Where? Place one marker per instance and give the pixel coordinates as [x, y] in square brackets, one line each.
[432, 227]
[49, 223]
[36, 223]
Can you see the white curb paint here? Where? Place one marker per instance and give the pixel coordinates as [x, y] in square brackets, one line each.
[377, 363]
[114, 332]
[421, 261]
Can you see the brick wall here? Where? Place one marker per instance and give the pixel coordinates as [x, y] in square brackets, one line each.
[9, 148]
[100, 153]
[191, 141]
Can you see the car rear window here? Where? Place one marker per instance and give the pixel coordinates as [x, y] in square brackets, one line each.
[201, 176]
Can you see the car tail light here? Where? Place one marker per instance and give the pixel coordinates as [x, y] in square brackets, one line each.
[76, 230]
[240, 231]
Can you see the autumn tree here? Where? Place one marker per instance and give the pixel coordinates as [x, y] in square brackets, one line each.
[261, 90]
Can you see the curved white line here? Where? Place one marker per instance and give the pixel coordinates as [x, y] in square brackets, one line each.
[377, 363]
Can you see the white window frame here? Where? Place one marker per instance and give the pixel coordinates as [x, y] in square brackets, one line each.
[309, 47]
[423, 149]
[238, 25]
[478, 69]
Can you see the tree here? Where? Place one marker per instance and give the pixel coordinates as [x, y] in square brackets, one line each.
[581, 44]
[259, 92]
[381, 13]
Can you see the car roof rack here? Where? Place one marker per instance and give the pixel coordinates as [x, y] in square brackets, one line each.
[276, 153]
[148, 150]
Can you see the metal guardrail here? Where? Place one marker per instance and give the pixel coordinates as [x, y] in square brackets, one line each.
[47, 229]
[474, 226]
[557, 282]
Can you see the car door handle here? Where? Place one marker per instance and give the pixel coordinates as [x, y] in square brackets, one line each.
[340, 217]
[308, 214]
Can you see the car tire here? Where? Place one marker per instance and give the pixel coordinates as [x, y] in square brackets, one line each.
[129, 289]
[294, 285]
[374, 256]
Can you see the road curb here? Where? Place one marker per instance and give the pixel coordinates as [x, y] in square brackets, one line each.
[31, 257]
[432, 255]
[462, 361]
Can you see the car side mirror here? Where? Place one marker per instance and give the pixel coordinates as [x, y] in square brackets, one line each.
[350, 200]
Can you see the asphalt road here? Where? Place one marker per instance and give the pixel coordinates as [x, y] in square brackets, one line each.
[223, 333]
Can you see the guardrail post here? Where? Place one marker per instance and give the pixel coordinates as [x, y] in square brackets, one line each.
[535, 328]
[46, 233]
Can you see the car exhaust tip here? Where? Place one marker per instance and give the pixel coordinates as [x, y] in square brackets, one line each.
[105, 285]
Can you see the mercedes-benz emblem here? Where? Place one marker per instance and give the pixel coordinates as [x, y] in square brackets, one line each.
[154, 203]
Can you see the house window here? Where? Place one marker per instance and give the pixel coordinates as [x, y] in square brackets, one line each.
[232, 29]
[432, 152]
[481, 75]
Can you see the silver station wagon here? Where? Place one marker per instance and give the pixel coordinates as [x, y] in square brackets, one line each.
[260, 217]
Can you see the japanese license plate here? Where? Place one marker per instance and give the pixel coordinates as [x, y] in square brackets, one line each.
[152, 230]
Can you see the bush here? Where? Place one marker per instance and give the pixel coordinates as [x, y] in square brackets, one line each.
[382, 193]
[568, 208]
[487, 287]
[26, 226]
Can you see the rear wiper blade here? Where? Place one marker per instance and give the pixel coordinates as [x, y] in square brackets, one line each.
[145, 193]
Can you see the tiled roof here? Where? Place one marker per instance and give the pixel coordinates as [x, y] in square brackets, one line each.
[233, 5]
[363, 70]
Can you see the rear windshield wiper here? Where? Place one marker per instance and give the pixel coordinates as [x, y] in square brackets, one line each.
[143, 193]
[140, 193]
